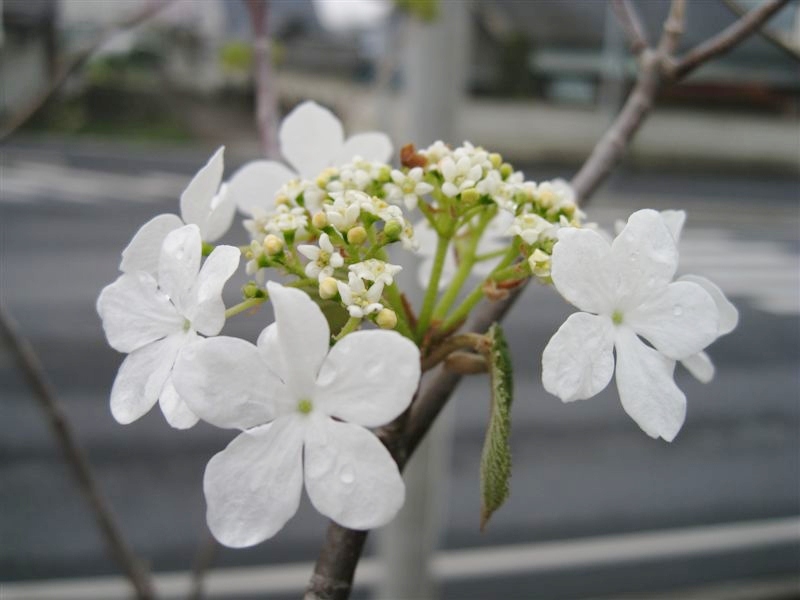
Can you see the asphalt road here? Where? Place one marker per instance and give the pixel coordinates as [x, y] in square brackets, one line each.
[580, 470]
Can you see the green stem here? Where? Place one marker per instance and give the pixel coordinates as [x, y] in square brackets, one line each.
[462, 310]
[243, 306]
[349, 327]
[464, 269]
[442, 244]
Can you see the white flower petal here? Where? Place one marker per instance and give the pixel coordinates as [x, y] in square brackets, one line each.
[580, 270]
[303, 337]
[226, 383]
[253, 486]
[270, 350]
[220, 217]
[143, 251]
[371, 145]
[368, 378]
[254, 185]
[311, 137]
[142, 376]
[179, 264]
[196, 198]
[728, 314]
[207, 312]
[700, 366]
[135, 313]
[646, 388]
[674, 220]
[680, 321]
[350, 475]
[644, 257]
[578, 362]
[176, 411]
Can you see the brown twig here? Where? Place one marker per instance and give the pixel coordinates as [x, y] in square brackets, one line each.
[773, 37]
[266, 99]
[202, 562]
[629, 18]
[332, 579]
[655, 69]
[75, 62]
[76, 458]
[673, 28]
[726, 39]
[449, 345]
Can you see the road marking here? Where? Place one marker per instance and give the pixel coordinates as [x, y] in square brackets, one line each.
[470, 563]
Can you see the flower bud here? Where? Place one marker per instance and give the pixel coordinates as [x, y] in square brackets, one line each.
[320, 220]
[393, 230]
[280, 199]
[496, 160]
[470, 196]
[386, 319]
[506, 170]
[328, 288]
[539, 263]
[357, 235]
[250, 290]
[273, 244]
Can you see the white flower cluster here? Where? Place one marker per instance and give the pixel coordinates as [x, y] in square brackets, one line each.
[303, 399]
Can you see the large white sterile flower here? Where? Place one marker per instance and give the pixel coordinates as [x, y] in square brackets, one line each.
[626, 291]
[204, 203]
[152, 317]
[700, 364]
[311, 138]
[304, 410]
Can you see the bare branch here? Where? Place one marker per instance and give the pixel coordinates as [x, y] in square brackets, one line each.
[472, 341]
[614, 142]
[726, 39]
[76, 62]
[673, 28]
[29, 364]
[793, 50]
[266, 99]
[202, 562]
[629, 18]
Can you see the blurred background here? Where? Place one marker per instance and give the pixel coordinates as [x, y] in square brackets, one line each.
[108, 108]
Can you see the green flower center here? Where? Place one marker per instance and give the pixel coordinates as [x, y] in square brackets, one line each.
[616, 317]
[305, 406]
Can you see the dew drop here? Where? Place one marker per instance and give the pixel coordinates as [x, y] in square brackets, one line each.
[677, 311]
[346, 474]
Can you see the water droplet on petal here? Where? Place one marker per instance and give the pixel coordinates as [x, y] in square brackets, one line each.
[346, 474]
[677, 311]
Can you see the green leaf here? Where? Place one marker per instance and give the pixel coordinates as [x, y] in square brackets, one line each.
[496, 455]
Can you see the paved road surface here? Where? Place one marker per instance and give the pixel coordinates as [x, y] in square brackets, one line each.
[580, 470]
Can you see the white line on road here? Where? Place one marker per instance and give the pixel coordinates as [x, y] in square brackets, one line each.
[471, 563]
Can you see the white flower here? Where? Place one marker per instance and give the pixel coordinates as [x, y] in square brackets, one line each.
[152, 317]
[458, 176]
[286, 219]
[311, 138]
[346, 208]
[203, 203]
[360, 300]
[532, 228]
[323, 258]
[627, 287]
[376, 270]
[304, 411]
[407, 187]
